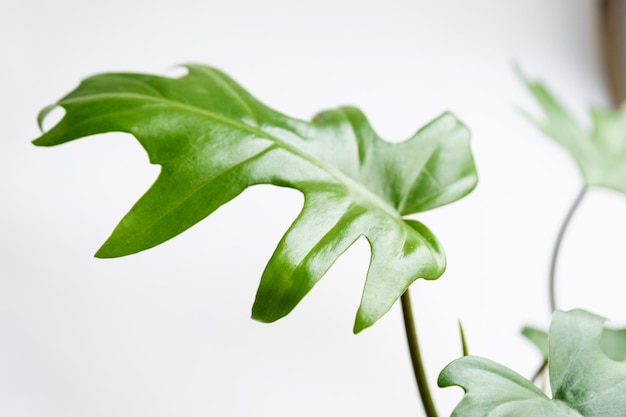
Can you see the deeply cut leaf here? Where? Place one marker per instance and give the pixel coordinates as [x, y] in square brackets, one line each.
[213, 140]
[584, 379]
[599, 152]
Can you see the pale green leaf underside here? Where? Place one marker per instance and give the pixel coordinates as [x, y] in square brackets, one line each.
[584, 380]
[612, 341]
[213, 140]
[539, 338]
[600, 151]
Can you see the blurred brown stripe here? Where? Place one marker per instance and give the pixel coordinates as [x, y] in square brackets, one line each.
[613, 22]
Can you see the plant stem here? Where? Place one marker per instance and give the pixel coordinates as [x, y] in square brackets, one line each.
[539, 371]
[555, 257]
[416, 357]
[557, 246]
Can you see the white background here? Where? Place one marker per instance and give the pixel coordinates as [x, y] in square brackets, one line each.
[167, 332]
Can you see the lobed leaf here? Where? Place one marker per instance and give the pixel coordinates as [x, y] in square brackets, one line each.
[599, 152]
[213, 140]
[585, 381]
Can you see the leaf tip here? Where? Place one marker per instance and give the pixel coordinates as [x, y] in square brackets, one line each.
[48, 118]
[358, 328]
[256, 317]
[38, 142]
[517, 70]
[444, 380]
[263, 312]
[103, 253]
[113, 248]
[454, 123]
[451, 117]
[464, 348]
[362, 321]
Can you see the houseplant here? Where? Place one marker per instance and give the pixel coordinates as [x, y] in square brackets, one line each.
[213, 140]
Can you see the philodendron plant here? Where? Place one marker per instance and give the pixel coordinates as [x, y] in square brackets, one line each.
[213, 140]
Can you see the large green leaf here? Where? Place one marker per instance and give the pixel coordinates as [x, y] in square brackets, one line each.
[600, 151]
[213, 140]
[585, 381]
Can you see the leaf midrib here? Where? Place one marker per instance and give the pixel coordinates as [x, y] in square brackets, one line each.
[340, 176]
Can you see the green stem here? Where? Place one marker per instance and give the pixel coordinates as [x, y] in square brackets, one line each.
[557, 247]
[553, 262]
[416, 356]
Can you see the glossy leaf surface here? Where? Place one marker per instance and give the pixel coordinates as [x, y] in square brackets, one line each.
[584, 380]
[213, 140]
[600, 151]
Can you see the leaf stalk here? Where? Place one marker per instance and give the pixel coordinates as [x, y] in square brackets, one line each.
[416, 356]
[557, 247]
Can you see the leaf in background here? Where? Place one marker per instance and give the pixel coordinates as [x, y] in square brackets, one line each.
[613, 342]
[539, 338]
[584, 380]
[600, 152]
[213, 140]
